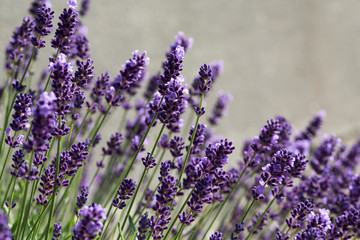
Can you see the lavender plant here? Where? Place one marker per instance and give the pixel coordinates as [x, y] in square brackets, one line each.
[61, 178]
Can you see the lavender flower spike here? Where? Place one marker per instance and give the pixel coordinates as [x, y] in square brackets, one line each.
[220, 107]
[72, 4]
[5, 233]
[44, 123]
[91, 222]
[57, 231]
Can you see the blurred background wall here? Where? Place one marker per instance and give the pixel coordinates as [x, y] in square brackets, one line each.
[284, 57]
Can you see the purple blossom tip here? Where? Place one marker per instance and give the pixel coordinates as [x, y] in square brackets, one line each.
[72, 4]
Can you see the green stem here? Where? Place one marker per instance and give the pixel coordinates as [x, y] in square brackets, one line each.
[143, 175]
[150, 180]
[133, 198]
[99, 126]
[123, 119]
[54, 190]
[108, 224]
[227, 198]
[48, 80]
[37, 221]
[129, 167]
[22, 223]
[7, 156]
[6, 160]
[7, 192]
[79, 128]
[12, 193]
[262, 216]
[176, 216]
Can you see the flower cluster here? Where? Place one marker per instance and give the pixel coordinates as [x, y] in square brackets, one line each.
[55, 160]
[90, 223]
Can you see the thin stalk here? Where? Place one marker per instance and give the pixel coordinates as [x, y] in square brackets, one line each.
[22, 223]
[188, 153]
[176, 216]
[6, 160]
[122, 121]
[262, 215]
[190, 144]
[143, 175]
[79, 129]
[48, 80]
[227, 198]
[7, 192]
[12, 194]
[129, 167]
[133, 198]
[147, 203]
[47, 231]
[108, 224]
[151, 178]
[7, 156]
[99, 126]
[93, 178]
[37, 221]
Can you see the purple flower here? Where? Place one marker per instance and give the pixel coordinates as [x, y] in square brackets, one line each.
[133, 71]
[220, 107]
[82, 198]
[198, 139]
[216, 236]
[57, 231]
[43, 20]
[85, 5]
[101, 85]
[173, 105]
[44, 123]
[217, 154]
[18, 163]
[19, 44]
[204, 81]
[181, 40]
[299, 213]
[72, 4]
[91, 222]
[144, 224]
[5, 232]
[172, 67]
[149, 162]
[176, 145]
[63, 88]
[69, 163]
[201, 194]
[22, 109]
[324, 153]
[239, 227]
[165, 194]
[17, 86]
[152, 86]
[186, 218]
[216, 69]
[126, 190]
[114, 145]
[313, 128]
[84, 74]
[65, 30]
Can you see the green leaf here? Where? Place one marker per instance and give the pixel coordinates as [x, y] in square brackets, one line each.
[120, 232]
[132, 225]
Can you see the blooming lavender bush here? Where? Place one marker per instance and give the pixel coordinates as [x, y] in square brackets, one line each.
[61, 180]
